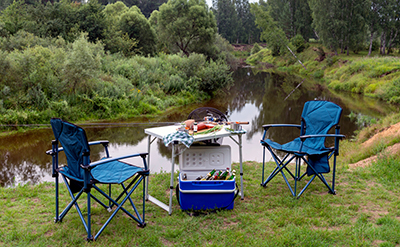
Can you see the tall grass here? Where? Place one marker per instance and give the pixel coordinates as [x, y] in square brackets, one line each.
[80, 82]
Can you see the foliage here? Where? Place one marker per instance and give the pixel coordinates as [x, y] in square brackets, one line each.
[80, 82]
[271, 32]
[256, 48]
[293, 17]
[341, 24]
[299, 43]
[186, 25]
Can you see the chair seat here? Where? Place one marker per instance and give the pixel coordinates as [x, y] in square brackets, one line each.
[294, 147]
[114, 172]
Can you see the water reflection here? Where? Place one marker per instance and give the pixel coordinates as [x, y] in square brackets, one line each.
[257, 97]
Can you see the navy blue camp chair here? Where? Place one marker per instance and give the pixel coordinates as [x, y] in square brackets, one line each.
[317, 119]
[81, 175]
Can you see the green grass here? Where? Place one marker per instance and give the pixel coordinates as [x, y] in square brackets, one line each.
[365, 212]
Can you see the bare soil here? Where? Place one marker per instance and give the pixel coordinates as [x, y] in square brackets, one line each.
[392, 131]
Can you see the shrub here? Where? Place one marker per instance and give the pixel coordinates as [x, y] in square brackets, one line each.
[318, 74]
[299, 43]
[256, 48]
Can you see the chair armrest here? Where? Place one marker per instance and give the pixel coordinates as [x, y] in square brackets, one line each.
[50, 152]
[303, 138]
[103, 142]
[103, 161]
[60, 149]
[267, 126]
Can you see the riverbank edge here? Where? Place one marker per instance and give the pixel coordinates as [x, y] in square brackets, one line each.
[316, 64]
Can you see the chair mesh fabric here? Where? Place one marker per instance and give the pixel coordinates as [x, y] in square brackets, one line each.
[114, 172]
[319, 117]
[74, 142]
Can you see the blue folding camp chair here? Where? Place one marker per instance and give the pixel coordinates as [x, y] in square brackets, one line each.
[317, 119]
[81, 175]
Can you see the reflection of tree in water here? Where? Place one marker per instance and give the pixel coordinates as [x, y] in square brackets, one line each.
[19, 159]
[22, 155]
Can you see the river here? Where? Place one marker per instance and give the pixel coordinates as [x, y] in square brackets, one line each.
[257, 97]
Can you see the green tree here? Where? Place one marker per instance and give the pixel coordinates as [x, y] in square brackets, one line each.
[137, 27]
[82, 64]
[92, 20]
[373, 21]
[271, 33]
[293, 16]
[14, 16]
[247, 31]
[148, 6]
[390, 24]
[128, 30]
[226, 17]
[54, 19]
[186, 25]
[342, 24]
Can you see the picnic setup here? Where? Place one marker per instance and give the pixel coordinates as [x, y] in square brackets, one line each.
[206, 179]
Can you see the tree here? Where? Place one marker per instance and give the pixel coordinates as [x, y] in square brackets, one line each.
[92, 20]
[128, 30]
[390, 23]
[148, 6]
[247, 31]
[372, 19]
[226, 17]
[14, 16]
[271, 33]
[342, 25]
[186, 25]
[137, 27]
[293, 16]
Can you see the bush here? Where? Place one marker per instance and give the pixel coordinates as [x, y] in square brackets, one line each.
[299, 43]
[256, 48]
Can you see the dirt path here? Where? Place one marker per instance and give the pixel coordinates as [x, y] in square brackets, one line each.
[392, 131]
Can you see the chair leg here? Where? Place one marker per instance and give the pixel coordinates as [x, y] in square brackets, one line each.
[321, 177]
[57, 219]
[333, 176]
[89, 222]
[118, 208]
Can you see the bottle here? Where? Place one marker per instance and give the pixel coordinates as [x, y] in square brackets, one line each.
[210, 174]
[199, 177]
[217, 176]
[232, 176]
[184, 177]
[224, 175]
[195, 127]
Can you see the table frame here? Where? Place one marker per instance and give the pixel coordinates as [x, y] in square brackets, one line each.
[160, 132]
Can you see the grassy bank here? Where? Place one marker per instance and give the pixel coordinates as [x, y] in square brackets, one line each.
[375, 76]
[80, 81]
[365, 212]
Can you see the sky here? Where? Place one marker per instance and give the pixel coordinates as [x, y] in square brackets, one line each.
[209, 2]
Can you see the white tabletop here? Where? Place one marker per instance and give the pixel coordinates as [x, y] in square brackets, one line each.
[161, 132]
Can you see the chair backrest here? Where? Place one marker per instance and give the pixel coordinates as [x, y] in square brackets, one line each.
[74, 142]
[320, 117]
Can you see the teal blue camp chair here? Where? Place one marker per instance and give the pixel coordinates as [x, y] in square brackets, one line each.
[81, 175]
[317, 119]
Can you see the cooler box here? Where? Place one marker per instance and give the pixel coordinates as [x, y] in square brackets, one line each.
[205, 194]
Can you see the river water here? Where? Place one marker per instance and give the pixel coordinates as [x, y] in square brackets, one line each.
[257, 97]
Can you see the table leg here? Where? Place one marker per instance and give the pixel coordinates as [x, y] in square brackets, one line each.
[241, 166]
[171, 185]
[148, 166]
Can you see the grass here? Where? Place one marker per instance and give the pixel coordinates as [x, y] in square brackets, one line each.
[365, 212]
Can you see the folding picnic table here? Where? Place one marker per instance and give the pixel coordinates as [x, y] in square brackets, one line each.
[161, 132]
